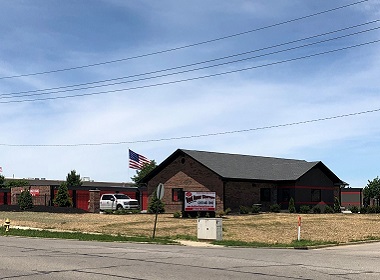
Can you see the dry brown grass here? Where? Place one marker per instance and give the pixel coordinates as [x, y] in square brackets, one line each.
[268, 228]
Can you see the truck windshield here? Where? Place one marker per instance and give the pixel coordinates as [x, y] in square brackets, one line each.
[122, 196]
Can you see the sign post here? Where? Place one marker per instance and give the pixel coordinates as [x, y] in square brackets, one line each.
[160, 194]
[299, 228]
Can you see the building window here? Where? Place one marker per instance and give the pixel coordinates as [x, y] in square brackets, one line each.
[265, 194]
[177, 194]
[315, 195]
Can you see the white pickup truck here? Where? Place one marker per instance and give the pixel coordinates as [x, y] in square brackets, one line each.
[118, 201]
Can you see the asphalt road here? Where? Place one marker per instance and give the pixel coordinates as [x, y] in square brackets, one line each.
[31, 258]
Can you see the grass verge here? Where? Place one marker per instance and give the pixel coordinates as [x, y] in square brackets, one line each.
[119, 238]
[294, 244]
[84, 236]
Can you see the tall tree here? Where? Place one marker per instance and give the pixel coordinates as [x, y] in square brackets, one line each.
[146, 168]
[2, 181]
[372, 190]
[17, 183]
[73, 179]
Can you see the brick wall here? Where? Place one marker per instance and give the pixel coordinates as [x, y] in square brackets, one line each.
[94, 202]
[246, 194]
[189, 175]
[40, 194]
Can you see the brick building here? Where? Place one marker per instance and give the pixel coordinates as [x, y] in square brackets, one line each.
[242, 180]
[44, 191]
[352, 197]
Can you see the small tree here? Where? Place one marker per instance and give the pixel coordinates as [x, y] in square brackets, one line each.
[291, 208]
[316, 210]
[337, 205]
[276, 208]
[328, 210]
[63, 198]
[155, 204]
[2, 181]
[25, 200]
[304, 209]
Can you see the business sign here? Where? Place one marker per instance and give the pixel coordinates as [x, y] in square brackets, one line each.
[34, 192]
[200, 201]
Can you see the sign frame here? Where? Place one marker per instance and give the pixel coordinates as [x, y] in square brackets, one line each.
[199, 201]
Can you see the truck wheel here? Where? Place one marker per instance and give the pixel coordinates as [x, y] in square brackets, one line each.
[119, 207]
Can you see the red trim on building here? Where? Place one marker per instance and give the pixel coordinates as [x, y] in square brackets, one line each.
[306, 202]
[351, 203]
[348, 193]
[306, 187]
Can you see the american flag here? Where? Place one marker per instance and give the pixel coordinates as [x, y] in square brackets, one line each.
[137, 161]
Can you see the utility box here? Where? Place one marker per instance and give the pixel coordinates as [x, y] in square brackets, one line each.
[210, 229]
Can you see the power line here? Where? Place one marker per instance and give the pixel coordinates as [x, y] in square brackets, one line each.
[186, 46]
[76, 87]
[198, 135]
[194, 78]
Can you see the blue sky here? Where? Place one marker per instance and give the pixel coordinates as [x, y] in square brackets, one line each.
[44, 36]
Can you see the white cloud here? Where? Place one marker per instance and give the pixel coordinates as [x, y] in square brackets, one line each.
[326, 86]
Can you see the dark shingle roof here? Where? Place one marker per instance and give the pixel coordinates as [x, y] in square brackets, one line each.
[234, 166]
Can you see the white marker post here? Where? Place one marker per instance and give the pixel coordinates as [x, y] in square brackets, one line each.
[299, 228]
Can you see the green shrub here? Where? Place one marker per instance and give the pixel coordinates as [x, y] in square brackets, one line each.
[329, 210]
[291, 208]
[120, 212]
[371, 210]
[354, 209]
[177, 215]
[155, 204]
[275, 208]
[364, 210]
[316, 210]
[304, 209]
[125, 212]
[255, 209]
[244, 209]
[227, 211]
[25, 200]
[63, 198]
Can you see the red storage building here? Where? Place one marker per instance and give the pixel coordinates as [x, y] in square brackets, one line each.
[44, 191]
